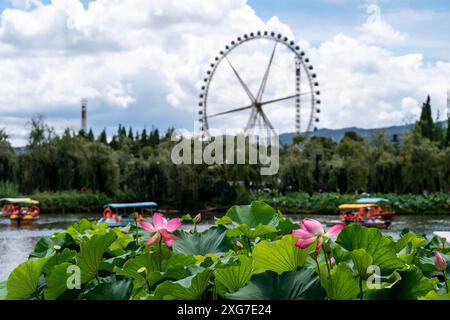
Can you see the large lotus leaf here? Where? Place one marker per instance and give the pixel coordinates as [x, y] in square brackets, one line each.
[116, 261]
[122, 241]
[413, 284]
[381, 248]
[253, 215]
[190, 288]
[58, 258]
[233, 277]
[3, 291]
[210, 241]
[79, 228]
[114, 290]
[286, 226]
[56, 280]
[146, 268]
[23, 280]
[46, 246]
[91, 253]
[344, 284]
[300, 284]
[409, 238]
[280, 256]
[361, 260]
[250, 233]
[433, 295]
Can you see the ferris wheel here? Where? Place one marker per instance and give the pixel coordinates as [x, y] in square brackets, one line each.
[260, 82]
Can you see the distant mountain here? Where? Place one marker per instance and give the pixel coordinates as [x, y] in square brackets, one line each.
[338, 134]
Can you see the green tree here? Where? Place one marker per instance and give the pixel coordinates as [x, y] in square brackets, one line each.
[103, 138]
[426, 123]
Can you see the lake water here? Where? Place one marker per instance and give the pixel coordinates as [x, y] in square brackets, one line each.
[16, 243]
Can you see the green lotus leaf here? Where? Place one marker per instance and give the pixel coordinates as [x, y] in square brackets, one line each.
[57, 279]
[58, 258]
[23, 280]
[253, 215]
[280, 256]
[146, 268]
[413, 284]
[433, 295]
[122, 241]
[286, 226]
[409, 238]
[91, 253]
[300, 284]
[344, 284]
[113, 290]
[361, 260]
[46, 246]
[233, 277]
[251, 233]
[380, 248]
[211, 241]
[190, 288]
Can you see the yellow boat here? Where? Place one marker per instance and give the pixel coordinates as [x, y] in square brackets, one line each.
[20, 210]
[370, 212]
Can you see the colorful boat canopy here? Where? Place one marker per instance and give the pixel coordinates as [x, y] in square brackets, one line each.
[356, 206]
[130, 205]
[19, 200]
[371, 200]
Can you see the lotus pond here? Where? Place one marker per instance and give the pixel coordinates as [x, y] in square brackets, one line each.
[250, 253]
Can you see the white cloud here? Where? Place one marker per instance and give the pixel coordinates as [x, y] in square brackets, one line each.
[125, 53]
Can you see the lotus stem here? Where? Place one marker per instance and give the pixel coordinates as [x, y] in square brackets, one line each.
[328, 267]
[361, 288]
[249, 245]
[160, 256]
[445, 280]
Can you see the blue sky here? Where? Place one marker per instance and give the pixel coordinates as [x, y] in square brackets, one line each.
[144, 68]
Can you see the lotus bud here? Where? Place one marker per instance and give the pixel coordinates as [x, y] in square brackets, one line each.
[197, 218]
[439, 261]
[332, 262]
[239, 245]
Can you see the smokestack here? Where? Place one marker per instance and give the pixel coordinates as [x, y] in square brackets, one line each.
[84, 115]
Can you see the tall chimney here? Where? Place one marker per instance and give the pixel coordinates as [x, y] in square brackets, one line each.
[84, 115]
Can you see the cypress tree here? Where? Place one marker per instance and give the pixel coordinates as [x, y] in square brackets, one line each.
[103, 138]
[144, 138]
[130, 134]
[90, 135]
[426, 123]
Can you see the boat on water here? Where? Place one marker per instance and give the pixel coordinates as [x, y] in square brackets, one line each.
[20, 210]
[120, 214]
[370, 212]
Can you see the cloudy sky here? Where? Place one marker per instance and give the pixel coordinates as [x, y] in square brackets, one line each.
[141, 62]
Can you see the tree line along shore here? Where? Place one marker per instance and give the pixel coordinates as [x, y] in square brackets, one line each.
[78, 171]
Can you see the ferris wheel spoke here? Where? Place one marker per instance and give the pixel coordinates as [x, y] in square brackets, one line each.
[251, 120]
[266, 120]
[266, 76]
[250, 95]
[284, 98]
[230, 111]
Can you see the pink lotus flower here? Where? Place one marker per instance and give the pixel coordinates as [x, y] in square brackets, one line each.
[439, 261]
[312, 230]
[162, 229]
